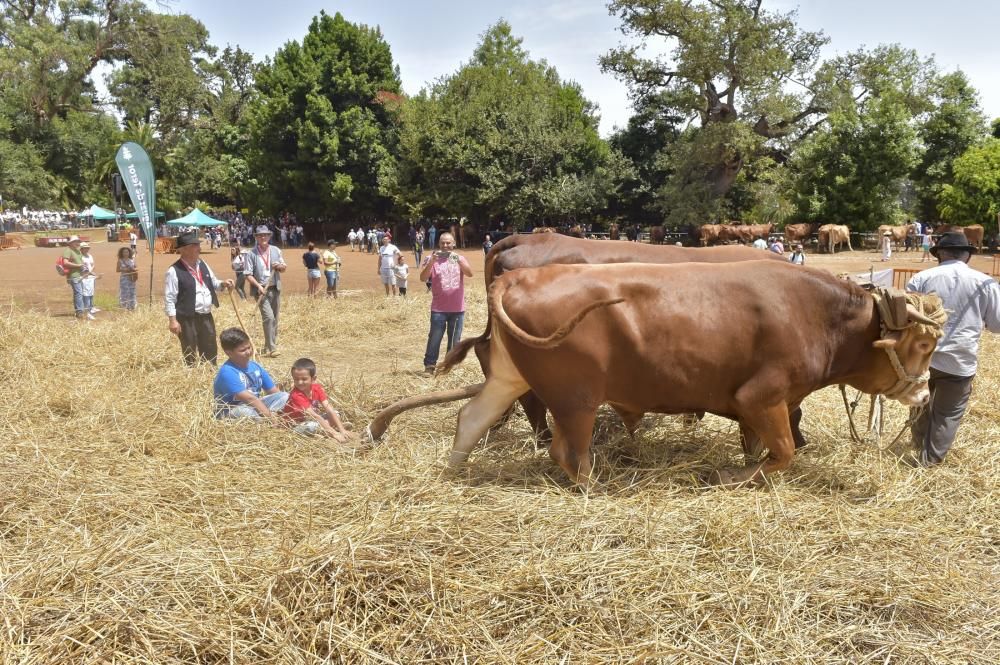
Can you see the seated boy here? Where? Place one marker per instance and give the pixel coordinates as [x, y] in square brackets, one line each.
[244, 389]
[308, 407]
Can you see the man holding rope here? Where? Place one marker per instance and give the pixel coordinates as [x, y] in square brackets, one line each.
[189, 294]
[263, 269]
[973, 300]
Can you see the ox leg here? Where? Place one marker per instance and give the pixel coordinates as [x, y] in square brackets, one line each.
[571, 445]
[478, 414]
[796, 417]
[534, 410]
[773, 426]
[631, 420]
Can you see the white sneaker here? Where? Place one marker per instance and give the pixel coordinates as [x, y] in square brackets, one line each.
[94, 310]
[91, 316]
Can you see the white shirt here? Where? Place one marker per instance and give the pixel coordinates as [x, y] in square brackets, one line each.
[759, 243]
[387, 256]
[401, 272]
[972, 299]
[202, 296]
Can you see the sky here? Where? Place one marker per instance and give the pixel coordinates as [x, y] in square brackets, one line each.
[432, 38]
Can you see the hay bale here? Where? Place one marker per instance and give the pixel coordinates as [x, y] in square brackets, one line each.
[134, 527]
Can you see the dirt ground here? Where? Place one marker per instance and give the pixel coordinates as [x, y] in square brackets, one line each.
[29, 279]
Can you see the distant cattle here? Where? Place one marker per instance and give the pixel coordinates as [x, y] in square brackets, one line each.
[833, 235]
[543, 229]
[613, 233]
[898, 233]
[709, 234]
[656, 235]
[973, 233]
[799, 232]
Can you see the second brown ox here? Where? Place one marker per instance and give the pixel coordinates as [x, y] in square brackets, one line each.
[680, 339]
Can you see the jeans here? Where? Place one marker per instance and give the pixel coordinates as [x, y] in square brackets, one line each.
[441, 322]
[275, 402]
[76, 284]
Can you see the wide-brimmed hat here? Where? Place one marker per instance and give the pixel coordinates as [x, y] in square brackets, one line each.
[953, 240]
[189, 238]
[73, 239]
[84, 245]
[887, 233]
[262, 230]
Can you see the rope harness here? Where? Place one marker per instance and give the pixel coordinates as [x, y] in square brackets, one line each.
[894, 316]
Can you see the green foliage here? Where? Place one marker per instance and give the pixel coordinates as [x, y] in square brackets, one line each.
[974, 195]
[947, 132]
[852, 173]
[505, 138]
[322, 130]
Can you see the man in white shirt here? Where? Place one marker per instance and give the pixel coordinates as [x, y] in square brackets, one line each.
[387, 254]
[189, 293]
[972, 299]
[759, 243]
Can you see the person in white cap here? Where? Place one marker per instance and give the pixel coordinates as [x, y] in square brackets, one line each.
[72, 261]
[263, 269]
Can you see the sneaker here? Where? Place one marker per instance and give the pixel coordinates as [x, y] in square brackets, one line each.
[94, 310]
[429, 369]
[91, 317]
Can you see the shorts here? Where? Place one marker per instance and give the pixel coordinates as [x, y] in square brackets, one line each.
[388, 278]
[331, 278]
[312, 273]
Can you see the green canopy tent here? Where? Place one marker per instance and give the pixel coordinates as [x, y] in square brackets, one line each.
[135, 215]
[196, 218]
[99, 213]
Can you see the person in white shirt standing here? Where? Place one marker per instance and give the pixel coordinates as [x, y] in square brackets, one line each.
[189, 293]
[972, 299]
[263, 267]
[387, 260]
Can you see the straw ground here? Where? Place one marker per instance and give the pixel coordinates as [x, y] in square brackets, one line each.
[134, 528]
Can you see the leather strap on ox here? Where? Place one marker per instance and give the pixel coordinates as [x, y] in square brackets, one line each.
[894, 317]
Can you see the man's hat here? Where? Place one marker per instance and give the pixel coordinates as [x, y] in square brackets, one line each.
[189, 238]
[262, 230]
[331, 241]
[73, 239]
[953, 240]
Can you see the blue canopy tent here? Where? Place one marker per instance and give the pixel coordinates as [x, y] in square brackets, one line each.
[196, 218]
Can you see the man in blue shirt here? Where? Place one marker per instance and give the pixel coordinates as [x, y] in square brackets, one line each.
[972, 299]
[242, 388]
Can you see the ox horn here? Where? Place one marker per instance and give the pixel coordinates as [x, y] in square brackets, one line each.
[916, 317]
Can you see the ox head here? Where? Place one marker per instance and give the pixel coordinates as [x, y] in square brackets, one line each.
[911, 328]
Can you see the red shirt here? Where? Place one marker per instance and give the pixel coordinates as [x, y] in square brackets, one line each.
[299, 401]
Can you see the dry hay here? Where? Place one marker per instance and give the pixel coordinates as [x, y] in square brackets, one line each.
[135, 528]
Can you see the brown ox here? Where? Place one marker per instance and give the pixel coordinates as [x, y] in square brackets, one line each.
[656, 235]
[973, 233]
[579, 336]
[799, 232]
[745, 233]
[531, 251]
[710, 234]
[832, 235]
[613, 233]
[898, 233]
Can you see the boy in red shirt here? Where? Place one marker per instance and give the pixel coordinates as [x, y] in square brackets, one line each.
[308, 407]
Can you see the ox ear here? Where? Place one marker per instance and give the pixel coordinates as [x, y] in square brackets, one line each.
[887, 342]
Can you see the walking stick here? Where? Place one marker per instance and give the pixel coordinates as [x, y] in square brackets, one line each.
[239, 317]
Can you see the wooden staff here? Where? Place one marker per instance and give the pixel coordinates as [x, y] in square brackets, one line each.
[232, 299]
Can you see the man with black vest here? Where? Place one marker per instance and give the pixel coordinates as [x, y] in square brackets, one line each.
[190, 293]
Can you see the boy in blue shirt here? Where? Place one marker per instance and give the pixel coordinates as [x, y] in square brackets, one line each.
[242, 388]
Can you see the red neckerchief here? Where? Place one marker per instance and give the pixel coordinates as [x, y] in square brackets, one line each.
[194, 273]
[267, 261]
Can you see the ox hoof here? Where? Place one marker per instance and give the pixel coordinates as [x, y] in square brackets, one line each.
[370, 438]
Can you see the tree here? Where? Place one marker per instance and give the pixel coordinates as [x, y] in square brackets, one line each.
[947, 132]
[504, 138]
[852, 173]
[974, 195]
[322, 132]
[751, 82]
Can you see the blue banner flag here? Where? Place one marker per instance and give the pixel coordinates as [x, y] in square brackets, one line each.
[137, 172]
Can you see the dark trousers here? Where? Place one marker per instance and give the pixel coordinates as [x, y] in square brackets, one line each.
[934, 431]
[198, 338]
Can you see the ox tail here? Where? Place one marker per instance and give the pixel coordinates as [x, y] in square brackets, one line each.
[496, 306]
[460, 350]
[380, 423]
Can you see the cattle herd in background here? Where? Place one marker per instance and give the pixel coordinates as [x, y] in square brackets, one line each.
[829, 238]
